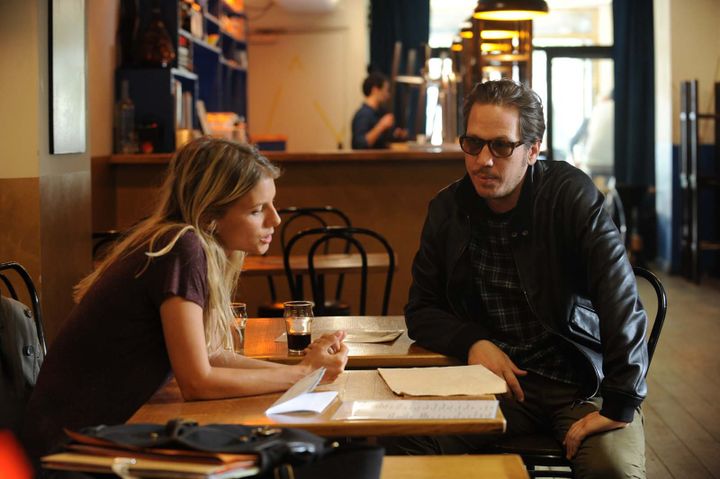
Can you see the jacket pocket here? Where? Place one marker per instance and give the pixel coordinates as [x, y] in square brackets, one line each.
[585, 326]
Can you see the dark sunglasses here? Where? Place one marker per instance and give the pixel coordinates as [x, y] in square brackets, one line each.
[499, 148]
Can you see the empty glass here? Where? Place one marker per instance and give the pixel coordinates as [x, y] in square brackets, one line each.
[298, 325]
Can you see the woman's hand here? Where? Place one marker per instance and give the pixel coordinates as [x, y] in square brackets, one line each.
[591, 424]
[327, 351]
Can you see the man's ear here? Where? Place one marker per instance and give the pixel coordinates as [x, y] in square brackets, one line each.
[533, 153]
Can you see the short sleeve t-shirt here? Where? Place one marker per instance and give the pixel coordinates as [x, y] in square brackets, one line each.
[110, 356]
[365, 120]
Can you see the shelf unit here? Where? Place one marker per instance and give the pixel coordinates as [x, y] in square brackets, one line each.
[212, 66]
[693, 181]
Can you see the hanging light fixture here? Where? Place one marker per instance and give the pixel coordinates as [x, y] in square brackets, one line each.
[466, 30]
[498, 34]
[510, 9]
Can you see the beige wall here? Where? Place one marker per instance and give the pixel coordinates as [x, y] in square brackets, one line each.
[305, 80]
[695, 53]
[44, 198]
[102, 18]
[20, 86]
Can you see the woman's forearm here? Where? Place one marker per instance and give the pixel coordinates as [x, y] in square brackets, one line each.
[230, 359]
[226, 382]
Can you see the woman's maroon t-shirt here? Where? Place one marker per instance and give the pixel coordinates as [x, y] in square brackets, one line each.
[109, 356]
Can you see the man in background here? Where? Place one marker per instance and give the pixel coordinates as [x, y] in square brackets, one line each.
[372, 125]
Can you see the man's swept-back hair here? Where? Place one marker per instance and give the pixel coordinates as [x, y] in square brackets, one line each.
[506, 92]
[374, 79]
[204, 178]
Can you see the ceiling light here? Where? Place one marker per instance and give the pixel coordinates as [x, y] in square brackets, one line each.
[498, 34]
[510, 9]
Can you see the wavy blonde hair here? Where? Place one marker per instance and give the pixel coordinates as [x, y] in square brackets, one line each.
[204, 178]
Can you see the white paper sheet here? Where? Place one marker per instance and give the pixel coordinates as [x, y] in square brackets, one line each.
[417, 409]
[300, 398]
[358, 335]
[474, 380]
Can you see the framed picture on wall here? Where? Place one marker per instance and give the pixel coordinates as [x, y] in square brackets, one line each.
[67, 75]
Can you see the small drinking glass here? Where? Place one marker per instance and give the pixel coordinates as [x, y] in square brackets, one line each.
[240, 312]
[298, 325]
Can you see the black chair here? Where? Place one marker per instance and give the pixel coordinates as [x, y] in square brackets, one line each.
[542, 449]
[351, 235]
[32, 293]
[294, 220]
[103, 241]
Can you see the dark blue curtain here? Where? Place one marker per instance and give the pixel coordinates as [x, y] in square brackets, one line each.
[634, 93]
[635, 123]
[406, 21]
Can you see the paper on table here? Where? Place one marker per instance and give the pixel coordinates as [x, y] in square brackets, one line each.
[358, 335]
[300, 398]
[418, 409]
[473, 380]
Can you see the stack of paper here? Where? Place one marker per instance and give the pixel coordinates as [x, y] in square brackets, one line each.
[160, 465]
[358, 335]
[414, 409]
[474, 380]
[300, 397]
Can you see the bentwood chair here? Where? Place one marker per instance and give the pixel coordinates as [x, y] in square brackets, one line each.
[540, 451]
[295, 219]
[31, 291]
[359, 239]
[22, 344]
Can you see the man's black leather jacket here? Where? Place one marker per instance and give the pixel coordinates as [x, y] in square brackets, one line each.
[573, 270]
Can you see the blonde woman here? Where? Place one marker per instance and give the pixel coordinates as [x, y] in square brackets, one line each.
[160, 303]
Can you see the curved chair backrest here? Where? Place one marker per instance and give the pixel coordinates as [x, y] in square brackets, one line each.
[321, 216]
[352, 235]
[102, 241]
[661, 309]
[32, 292]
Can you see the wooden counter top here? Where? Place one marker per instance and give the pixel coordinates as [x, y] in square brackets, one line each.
[452, 152]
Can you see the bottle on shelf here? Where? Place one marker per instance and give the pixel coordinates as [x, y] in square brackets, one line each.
[155, 47]
[125, 134]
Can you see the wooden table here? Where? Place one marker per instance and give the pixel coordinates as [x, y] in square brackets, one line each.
[503, 466]
[325, 263]
[260, 335]
[351, 385]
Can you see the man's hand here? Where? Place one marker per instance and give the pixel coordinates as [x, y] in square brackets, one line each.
[591, 424]
[486, 353]
[386, 121]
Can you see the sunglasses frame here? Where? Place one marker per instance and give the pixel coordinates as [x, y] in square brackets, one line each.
[489, 145]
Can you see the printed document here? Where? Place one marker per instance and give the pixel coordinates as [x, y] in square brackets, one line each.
[472, 380]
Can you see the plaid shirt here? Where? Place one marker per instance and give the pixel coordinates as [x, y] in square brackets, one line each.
[514, 328]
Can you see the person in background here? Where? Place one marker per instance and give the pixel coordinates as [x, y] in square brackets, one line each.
[159, 304]
[372, 126]
[521, 270]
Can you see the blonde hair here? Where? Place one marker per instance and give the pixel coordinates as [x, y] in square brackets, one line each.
[204, 178]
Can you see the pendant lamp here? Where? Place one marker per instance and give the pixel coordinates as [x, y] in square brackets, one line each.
[510, 9]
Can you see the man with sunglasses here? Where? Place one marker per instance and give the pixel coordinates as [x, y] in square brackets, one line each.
[521, 270]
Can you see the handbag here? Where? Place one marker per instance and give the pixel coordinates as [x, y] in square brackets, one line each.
[278, 453]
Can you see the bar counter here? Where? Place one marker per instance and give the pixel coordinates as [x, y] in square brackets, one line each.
[384, 190]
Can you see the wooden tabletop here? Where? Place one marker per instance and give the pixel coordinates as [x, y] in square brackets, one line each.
[485, 466]
[260, 335]
[324, 263]
[168, 404]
